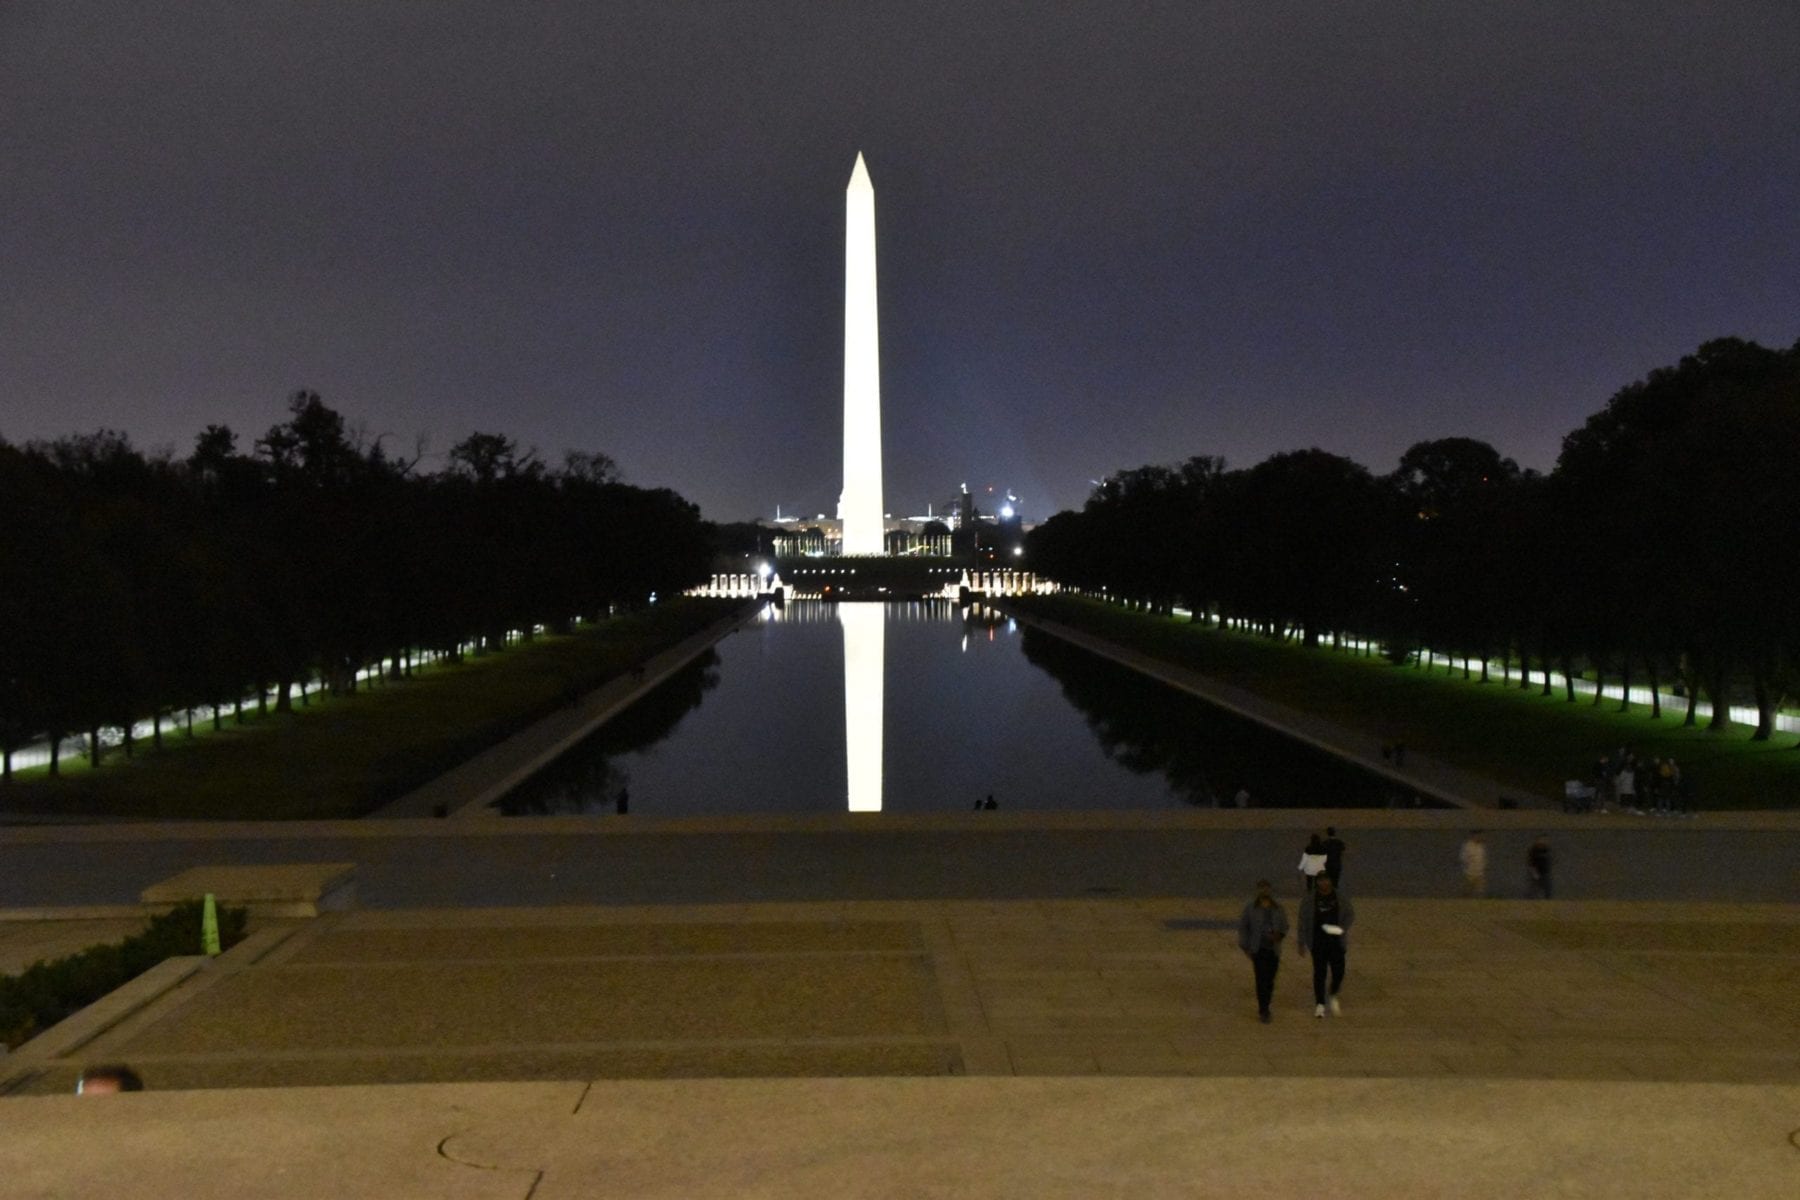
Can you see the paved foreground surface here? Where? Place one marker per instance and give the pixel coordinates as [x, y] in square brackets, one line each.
[1079, 1048]
[1027, 1138]
[1005, 1004]
[1573, 991]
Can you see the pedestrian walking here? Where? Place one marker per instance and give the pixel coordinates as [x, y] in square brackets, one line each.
[1537, 868]
[1261, 930]
[1325, 919]
[1334, 853]
[1312, 860]
[1473, 857]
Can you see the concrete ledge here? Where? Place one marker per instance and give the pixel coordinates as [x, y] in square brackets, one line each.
[278, 890]
[76, 912]
[30, 1061]
[76, 1031]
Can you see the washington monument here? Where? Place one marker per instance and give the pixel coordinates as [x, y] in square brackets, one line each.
[859, 505]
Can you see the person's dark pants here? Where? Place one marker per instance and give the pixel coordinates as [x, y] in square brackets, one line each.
[1327, 952]
[1266, 963]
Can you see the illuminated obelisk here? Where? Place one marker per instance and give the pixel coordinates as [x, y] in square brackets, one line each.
[859, 506]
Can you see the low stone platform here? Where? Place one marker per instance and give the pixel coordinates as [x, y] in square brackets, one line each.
[274, 890]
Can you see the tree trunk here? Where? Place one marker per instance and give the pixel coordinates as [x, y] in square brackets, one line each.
[1721, 717]
[1765, 706]
[190, 722]
[6, 764]
[1655, 693]
[237, 711]
[1625, 683]
[1568, 673]
[218, 717]
[94, 746]
[284, 695]
[56, 738]
[1690, 683]
[128, 738]
[156, 730]
[262, 698]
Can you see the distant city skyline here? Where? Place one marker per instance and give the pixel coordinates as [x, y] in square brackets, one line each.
[1110, 234]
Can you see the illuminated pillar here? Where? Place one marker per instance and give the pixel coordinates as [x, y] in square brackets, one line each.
[859, 506]
[864, 646]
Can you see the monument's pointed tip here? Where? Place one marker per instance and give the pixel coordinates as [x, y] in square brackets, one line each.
[859, 175]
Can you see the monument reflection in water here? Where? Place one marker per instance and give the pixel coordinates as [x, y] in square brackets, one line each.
[922, 707]
[865, 677]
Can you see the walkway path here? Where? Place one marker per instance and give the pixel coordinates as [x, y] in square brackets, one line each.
[468, 790]
[1006, 855]
[1420, 773]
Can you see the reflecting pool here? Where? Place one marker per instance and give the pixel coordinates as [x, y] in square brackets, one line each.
[924, 707]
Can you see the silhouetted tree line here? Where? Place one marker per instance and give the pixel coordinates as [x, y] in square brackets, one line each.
[1662, 549]
[145, 584]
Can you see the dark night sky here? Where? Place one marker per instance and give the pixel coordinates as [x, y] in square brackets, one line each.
[1111, 233]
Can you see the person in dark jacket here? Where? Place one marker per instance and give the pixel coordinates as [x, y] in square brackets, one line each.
[1537, 868]
[1325, 919]
[1334, 854]
[1260, 933]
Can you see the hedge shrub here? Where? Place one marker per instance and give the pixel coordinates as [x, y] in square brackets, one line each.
[47, 992]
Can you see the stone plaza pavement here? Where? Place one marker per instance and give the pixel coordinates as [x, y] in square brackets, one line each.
[954, 1047]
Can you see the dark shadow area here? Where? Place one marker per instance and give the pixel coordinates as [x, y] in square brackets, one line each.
[587, 780]
[1208, 755]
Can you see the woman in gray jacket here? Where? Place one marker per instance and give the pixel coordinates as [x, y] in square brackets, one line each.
[1260, 932]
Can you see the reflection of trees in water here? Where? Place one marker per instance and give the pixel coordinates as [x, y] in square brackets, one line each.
[586, 779]
[1140, 724]
[1205, 754]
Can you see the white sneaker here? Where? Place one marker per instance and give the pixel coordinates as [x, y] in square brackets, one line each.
[1318, 1010]
[1336, 1009]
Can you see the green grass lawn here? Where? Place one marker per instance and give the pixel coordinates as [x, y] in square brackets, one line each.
[1521, 738]
[343, 756]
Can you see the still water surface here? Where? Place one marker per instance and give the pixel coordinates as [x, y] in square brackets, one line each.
[923, 707]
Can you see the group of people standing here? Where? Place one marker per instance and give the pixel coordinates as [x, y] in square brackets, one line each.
[1326, 915]
[1637, 785]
